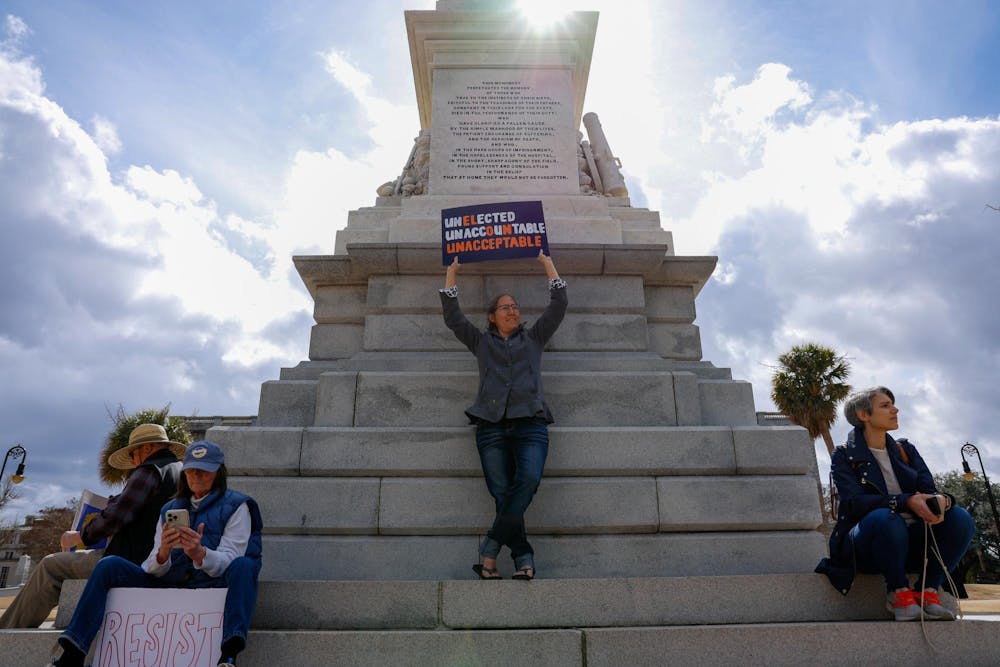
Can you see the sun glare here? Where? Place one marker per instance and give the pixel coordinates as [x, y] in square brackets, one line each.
[543, 13]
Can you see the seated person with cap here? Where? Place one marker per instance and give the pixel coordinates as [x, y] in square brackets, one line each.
[223, 551]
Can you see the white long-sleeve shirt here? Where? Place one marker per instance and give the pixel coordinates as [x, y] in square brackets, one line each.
[235, 538]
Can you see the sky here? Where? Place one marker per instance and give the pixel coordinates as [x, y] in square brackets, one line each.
[160, 163]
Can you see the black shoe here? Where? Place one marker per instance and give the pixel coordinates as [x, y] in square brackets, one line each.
[71, 655]
[484, 572]
[229, 650]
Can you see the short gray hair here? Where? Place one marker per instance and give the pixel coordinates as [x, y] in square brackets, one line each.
[862, 400]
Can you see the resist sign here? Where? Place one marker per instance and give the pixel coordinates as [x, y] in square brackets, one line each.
[506, 230]
[161, 627]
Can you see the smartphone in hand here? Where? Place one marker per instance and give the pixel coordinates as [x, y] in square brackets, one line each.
[177, 518]
[936, 504]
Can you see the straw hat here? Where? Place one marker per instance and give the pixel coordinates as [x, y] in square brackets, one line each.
[144, 434]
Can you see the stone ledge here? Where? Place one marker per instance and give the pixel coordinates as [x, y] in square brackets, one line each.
[574, 451]
[551, 603]
[422, 506]
[968, 643]
[363, 260]
[302, 557]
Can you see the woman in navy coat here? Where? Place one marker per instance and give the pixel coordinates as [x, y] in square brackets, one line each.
[889, 507]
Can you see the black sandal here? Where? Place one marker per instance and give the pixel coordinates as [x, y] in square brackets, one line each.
[482, 571]
[526, 573]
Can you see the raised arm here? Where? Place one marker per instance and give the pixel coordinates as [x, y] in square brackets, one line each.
[449, 275]
[553, 315]
[546, 262]
[454, 318]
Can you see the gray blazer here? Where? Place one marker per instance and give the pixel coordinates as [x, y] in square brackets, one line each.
[510, 371]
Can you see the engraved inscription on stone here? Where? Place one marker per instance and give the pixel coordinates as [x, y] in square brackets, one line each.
[502, 131]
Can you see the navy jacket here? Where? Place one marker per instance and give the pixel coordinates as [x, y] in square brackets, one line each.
[510, 371]
[214, 511]
[862, 488]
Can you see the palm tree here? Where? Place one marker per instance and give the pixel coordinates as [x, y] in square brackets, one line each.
[808, 384]
[123, 424]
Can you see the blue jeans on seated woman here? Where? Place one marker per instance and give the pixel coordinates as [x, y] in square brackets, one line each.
[512, 453]
[115, 572]
[884, 544]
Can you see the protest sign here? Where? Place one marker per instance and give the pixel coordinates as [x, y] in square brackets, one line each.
[90, 506]
[505, 230]
[165, 627]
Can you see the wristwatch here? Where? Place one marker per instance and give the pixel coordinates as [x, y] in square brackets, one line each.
[894, 503]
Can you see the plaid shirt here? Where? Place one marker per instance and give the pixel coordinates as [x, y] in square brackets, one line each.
[122, 509]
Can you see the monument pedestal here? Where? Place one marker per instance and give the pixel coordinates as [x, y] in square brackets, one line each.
[363, 457]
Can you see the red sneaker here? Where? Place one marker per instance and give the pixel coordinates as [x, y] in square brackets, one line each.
[933, 608]
[903, 604]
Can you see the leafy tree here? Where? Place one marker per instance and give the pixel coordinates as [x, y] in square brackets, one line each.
[982, 562]
[46, 527]
[807, 385]
[123, 425]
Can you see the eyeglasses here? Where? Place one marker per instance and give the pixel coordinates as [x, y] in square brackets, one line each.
[509, 308]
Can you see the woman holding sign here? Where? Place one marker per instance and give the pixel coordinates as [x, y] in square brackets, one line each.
[510, 413]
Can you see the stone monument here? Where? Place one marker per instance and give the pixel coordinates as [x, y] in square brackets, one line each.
[362, 453]
[669, 528]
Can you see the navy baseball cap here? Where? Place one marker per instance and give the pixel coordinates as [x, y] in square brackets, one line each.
[203, 455]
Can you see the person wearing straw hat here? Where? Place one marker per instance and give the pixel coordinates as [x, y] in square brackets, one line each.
[129, 520]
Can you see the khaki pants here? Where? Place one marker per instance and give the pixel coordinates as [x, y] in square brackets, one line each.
[35, 601]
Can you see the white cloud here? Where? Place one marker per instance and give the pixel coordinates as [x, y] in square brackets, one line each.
[163, 187]
[15, 28]
[321, 187]
[749, 110]
[143, 269]
[860, 236]
[106, 136]
[356, 81]
[127, 289]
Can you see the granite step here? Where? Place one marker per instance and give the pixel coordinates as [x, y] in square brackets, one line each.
[401, 557]
[550, 603]
[458, 361]
[834, 644]
[562, 505]
[573, 451]
[760, 620]
[611, 398]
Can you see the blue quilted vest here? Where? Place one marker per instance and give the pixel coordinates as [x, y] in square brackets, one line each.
[214, 511]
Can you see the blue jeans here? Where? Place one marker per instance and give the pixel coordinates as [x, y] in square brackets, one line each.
[512, 453]
[115, 572]
[884, 544]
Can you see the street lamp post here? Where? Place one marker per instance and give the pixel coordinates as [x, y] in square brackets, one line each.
[15, 452]
[970, 449]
